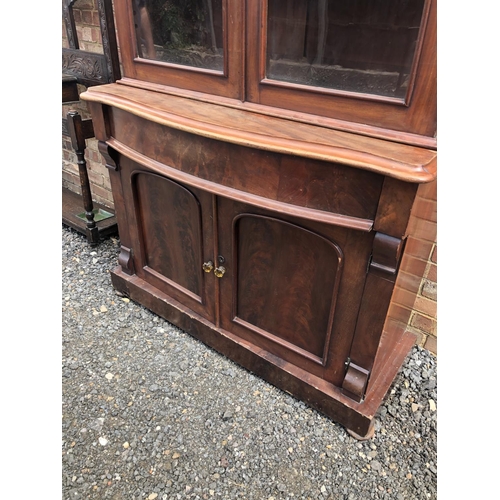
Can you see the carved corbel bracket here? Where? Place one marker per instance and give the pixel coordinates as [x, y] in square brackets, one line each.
[110, 156]
[386, 254]
[355, 382]
[125, 260]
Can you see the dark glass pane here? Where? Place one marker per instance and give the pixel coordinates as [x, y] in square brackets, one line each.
[186, 32]
[363, 46]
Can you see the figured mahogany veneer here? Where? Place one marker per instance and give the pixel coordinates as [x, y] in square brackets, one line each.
[275, 242]
[263, 179]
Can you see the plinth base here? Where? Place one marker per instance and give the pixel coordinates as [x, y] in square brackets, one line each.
[357, 418]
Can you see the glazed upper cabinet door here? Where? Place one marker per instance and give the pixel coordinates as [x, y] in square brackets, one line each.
[369, 62]
[192, 45]
[368, 65]
[291, 286]
[174, 239]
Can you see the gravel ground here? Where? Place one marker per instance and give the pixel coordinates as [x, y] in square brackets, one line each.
[148, 412]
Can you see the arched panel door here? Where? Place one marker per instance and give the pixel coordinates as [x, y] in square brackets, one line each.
[174, 239]
[286, 283]
[291, 286]
[281, 285]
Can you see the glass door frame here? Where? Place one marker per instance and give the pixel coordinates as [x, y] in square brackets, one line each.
[226, 83]
[404, 115]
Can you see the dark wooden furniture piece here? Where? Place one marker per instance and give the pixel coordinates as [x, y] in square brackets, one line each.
[79, 211]
[264, 162]
[89, 69]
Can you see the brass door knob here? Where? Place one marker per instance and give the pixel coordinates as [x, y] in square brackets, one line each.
[208, 266]
[219, 271]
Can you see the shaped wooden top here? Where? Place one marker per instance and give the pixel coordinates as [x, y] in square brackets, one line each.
[281, 135]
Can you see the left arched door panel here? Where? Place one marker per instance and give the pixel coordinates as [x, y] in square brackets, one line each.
[174, 239]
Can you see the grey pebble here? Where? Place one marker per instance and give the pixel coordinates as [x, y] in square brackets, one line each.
[183, 421]
[228, 415]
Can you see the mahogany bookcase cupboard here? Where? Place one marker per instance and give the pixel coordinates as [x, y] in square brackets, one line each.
[264, 157]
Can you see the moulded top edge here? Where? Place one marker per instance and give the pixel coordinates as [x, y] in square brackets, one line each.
[282, 135]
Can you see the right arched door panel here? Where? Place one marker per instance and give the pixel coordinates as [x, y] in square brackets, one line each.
[291, 286]
[286, 283]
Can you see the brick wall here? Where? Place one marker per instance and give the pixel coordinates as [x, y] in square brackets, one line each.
[87, 26]
[414, 302]
[89, 38]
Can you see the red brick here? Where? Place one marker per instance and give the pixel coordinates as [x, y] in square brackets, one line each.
[67, 156]
[103, 201]
[94, 156]
[434, 256]
[413, 266]
[403, 297]
[71, 186]
[86, 35]
[428, 191]
[93, 144]
[426, 306]
[422, 229]
[77, 15]
[103, 193]
[399, 313]
[71, 178]
[425, 209]
[418, 248]
[94, 161]
[409, 282]
[86, 4]
[421, 336]
[431, 344]
[96, 37]
[96, 179]
[71, 168]
[107, 183]
[423, 323]
[432, 273]
[87, 17]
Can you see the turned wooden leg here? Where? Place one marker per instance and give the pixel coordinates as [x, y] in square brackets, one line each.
[78, 142]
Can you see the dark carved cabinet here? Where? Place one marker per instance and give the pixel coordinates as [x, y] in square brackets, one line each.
[263, 182]
[82, 67]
